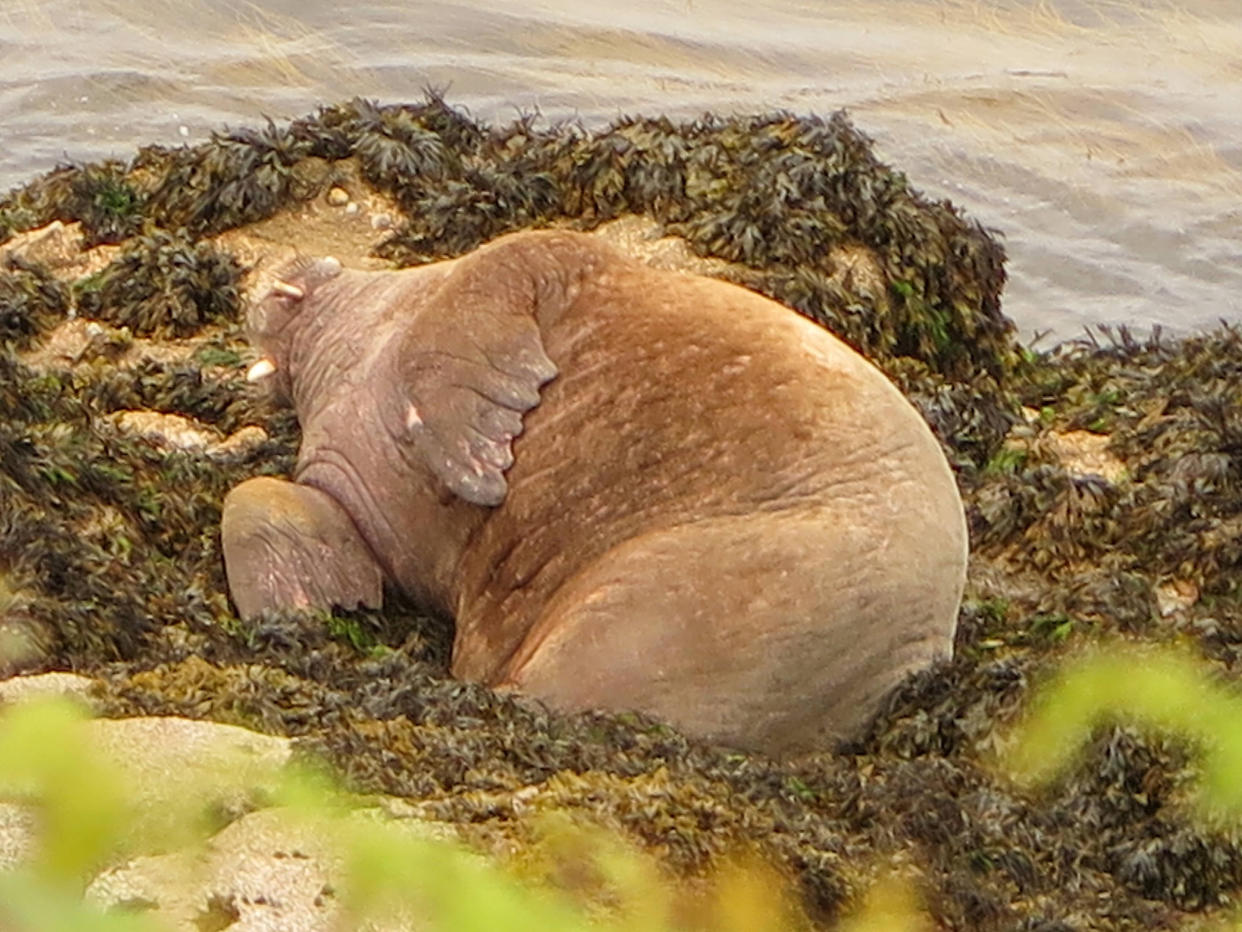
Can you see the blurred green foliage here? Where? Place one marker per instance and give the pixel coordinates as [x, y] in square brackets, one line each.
[1164, 688]
[577, 877]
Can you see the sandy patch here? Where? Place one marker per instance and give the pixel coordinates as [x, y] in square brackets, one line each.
[1083, 453]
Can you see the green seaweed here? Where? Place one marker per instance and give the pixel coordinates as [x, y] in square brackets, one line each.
[164, 285]
[108, 204]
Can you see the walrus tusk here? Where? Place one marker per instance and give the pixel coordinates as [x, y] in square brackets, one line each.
[260, 370]
[289, 291]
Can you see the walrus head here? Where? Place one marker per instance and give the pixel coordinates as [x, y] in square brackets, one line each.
[270, 321]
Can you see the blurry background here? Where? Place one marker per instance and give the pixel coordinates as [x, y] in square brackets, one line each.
[1103, 137]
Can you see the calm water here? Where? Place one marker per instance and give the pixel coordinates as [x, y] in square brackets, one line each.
[1104, 137]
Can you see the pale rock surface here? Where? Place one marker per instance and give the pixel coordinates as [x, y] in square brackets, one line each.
[17, 822]
[174, 432]
[263, 873]
[167, 759]
[17, 834]
[1086, 454]
[38, 686]
[59, 247]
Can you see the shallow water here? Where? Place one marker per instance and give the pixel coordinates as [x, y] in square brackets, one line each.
[1103, 137]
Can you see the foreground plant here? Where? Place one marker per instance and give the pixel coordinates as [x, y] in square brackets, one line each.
[1163, 688]
[1158, 689]
[577, 877]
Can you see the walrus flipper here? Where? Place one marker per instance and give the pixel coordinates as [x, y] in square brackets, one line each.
[469, 366]
[292, 546]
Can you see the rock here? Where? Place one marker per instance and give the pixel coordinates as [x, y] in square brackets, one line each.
[37, 686]
[239, 444]
[1175, 596]
[265, 872]
[1086, 454]
[17, 834]
[167, 759]
[77, 339]
[26, 642]
[338, 197]
[645, 240]
[174, 432]
[59, 247]
[170, 431]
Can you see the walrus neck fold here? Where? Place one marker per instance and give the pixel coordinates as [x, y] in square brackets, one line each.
[323, 348]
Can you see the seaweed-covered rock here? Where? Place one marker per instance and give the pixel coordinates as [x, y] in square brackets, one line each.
[777, 193]
[1109, 503]
[239, 177]
[31, 302]
[107, 203]
[1169, 412]
[39, 202]
[164, 284]
[784, 197]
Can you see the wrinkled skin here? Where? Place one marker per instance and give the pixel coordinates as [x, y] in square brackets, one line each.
[631, 489]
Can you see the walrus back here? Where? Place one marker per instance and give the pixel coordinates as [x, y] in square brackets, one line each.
[779, 632]
[681, 401]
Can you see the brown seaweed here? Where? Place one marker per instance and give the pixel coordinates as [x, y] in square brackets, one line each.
[32, 301]
[164, 285]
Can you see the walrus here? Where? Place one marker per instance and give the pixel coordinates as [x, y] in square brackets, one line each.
[631, 489]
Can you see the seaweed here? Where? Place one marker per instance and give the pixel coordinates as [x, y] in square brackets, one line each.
[778, 192]
[239, 177]
[107, 203]
[32, 301]
[109, 547]
[47, 198]
[164, 284]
